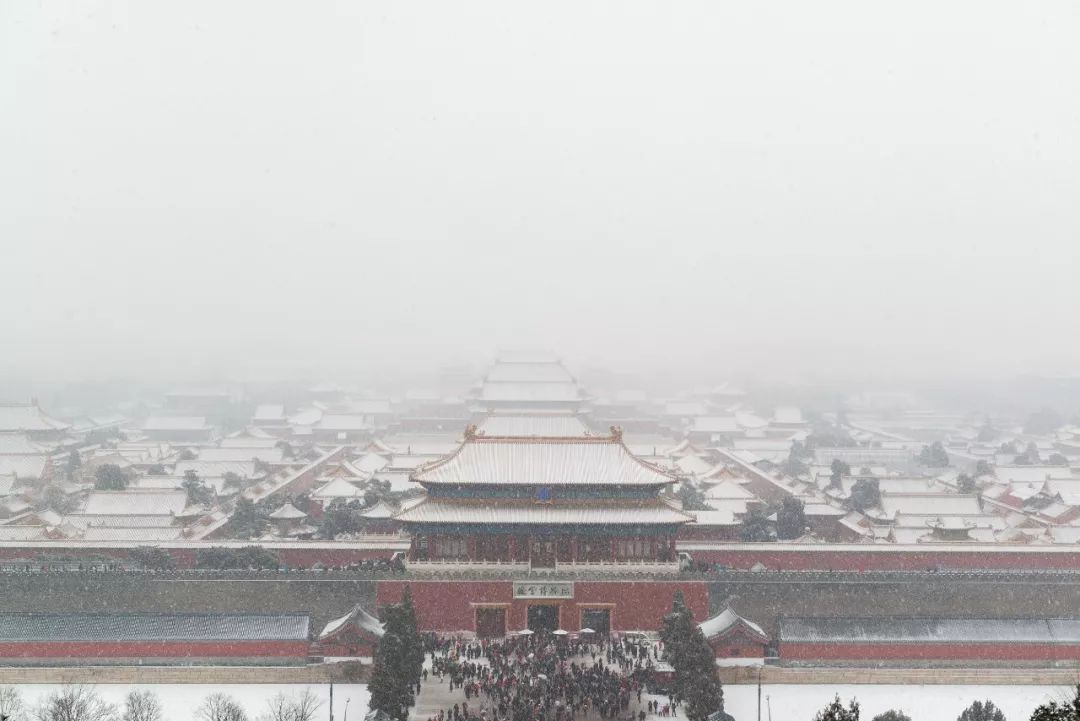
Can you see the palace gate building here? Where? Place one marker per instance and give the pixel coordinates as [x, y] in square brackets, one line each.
[543, 532]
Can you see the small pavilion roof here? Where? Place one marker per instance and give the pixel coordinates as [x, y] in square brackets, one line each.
[378, 511]
[288, 512]
[728, 621]
[338, 488]
[358, 617]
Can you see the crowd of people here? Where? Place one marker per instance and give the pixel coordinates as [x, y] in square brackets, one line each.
[546, 677]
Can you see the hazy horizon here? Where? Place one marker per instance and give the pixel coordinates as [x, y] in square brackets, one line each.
[279, 190]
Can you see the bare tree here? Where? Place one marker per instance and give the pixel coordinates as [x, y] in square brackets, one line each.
[278, 708]
[305, 705]
[142, 706]
[75, 703]
[221, 707]
[292, 708]
[12, 707]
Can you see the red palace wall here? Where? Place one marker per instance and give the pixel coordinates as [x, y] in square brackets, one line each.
[294, 557]
[930, 652]
[737, 648]
[827, 559]
[774, 556]
[449, 606]
[155, 649]
[335, 648]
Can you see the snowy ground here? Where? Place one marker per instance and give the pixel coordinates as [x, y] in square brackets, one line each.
[921, 703]
[181, 700]
[788, 702]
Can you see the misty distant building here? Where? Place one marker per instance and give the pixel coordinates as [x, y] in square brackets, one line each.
[529, 382]
[30, 420]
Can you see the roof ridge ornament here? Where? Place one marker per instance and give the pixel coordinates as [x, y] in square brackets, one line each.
[471, 432]
[616, 433]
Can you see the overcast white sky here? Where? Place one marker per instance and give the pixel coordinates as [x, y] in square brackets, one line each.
[790, 187]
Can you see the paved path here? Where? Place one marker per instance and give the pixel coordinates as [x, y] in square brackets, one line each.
[435, 696]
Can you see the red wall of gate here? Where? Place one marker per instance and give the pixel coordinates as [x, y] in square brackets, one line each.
[449, 606]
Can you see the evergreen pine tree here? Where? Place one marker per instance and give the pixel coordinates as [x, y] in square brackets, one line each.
[675, 630]
[411, 635]
[981, 711]
[73, 464]
[389, 687]
[892, 715]
[399, 659]
[1054, 711]
[685, 647]
[700, 690]
[835, 711]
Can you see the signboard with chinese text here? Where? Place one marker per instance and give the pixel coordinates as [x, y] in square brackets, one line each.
[543, 589]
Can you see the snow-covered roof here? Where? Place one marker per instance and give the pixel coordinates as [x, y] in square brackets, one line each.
[536, 425]
[151, 627]
[269, 412]
[379, 511]
[344, 422]
[14, 505]
[157, 483]
[134, 503]
[820, 510]
[928, 630]
[726, 621]
[288, 512]
[529, 372]
[728, 490]
[1031, 474]
[138, 535]
[27, 417]
[24, 466]
[23, 533]
[358, 617]
[693, 465]
[217, 469]
[685, 409]
[232, 454]
[714, 424]
[338, 488]
[722, 517]
[306, 417]
[930, 504]
[600, 460]
[175, 423]
[530, 392]
[526, 355]
[368, 463]
[750, 420]
[787, 415]
[247, 441]
[371, 407]
[20, 444]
